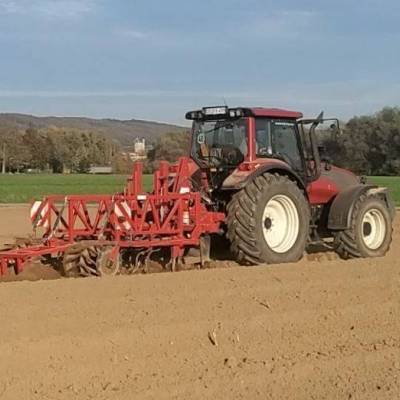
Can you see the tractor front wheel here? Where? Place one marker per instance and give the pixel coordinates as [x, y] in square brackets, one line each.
[370, 232]
[268, 221]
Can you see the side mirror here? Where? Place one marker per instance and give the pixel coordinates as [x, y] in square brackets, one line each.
[335, 129]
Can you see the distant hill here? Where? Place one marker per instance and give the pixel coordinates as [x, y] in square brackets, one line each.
[122, 131]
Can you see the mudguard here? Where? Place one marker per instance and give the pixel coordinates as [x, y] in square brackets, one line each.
[239, 179]
[342, 206]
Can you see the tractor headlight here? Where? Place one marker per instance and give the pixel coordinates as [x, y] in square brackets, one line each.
[214, 111]
[193, 115]
[235, 113]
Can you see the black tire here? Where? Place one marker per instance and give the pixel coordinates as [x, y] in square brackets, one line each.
[353, 242]
[245, 225]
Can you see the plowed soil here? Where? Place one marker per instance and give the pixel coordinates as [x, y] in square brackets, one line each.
[320, 329]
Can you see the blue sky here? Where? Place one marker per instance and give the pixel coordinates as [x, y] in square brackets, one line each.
[157, 59]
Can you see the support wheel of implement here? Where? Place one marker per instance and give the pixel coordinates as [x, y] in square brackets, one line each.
[370, 232]
[268, 221]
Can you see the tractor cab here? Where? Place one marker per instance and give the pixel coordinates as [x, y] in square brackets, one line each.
[219, 138]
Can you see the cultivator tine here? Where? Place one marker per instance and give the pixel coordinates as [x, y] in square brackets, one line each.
[93, 251]
[88, 271]
[87, 262]
[138, 263]
[86, 259]
[148, 258]
[205, 247]
[173, 264]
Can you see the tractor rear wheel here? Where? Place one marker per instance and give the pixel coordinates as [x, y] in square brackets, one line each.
[268, 221]
[370, 233]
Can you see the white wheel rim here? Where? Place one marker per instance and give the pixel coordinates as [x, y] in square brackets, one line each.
[373, 229]
[280, 223]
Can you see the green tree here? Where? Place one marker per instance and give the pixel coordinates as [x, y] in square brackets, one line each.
[170, 147]
[369, 144]
[37, 145]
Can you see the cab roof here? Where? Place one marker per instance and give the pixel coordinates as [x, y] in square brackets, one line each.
[221, 112]
[274, 113]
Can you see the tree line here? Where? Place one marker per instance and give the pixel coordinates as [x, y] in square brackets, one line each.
[367, 145]
[54, 150]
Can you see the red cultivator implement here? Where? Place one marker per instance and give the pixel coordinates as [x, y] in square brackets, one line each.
[91, 232]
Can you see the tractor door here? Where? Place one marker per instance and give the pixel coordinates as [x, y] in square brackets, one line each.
[277, 138]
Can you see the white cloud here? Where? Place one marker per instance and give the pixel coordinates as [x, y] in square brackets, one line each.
[282, 23]
[131, 33]
[63, 93]
[9, 6]
[48, 8]
[65, 8]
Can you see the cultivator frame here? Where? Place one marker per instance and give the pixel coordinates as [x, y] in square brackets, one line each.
[172, 216]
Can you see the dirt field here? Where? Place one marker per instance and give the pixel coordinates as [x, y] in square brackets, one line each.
[320, 329]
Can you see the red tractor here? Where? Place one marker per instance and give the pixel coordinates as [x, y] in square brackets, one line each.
[254, 174]
[265, 172]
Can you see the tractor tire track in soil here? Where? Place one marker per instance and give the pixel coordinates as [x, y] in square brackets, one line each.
[319, 329]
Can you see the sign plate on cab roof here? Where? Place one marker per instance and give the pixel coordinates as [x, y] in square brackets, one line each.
[215, 110]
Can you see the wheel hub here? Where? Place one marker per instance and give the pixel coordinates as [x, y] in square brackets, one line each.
[268, 223]
[373, 229]
[367, 229]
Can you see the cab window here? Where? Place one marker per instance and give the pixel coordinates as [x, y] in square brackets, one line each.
[285, 144]
[278, 139]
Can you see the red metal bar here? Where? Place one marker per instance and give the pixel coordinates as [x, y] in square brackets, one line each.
[163, 178]
[3, 266]
[251, 140]
[135, 185]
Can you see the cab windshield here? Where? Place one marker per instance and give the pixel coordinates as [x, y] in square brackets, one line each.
[221, 142]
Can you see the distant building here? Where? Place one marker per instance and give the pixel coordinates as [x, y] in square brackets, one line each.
[138, 151]
[139, 146]
[100, 170]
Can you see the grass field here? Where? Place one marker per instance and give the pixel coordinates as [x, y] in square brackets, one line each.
[391, 182]
[24, 188]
